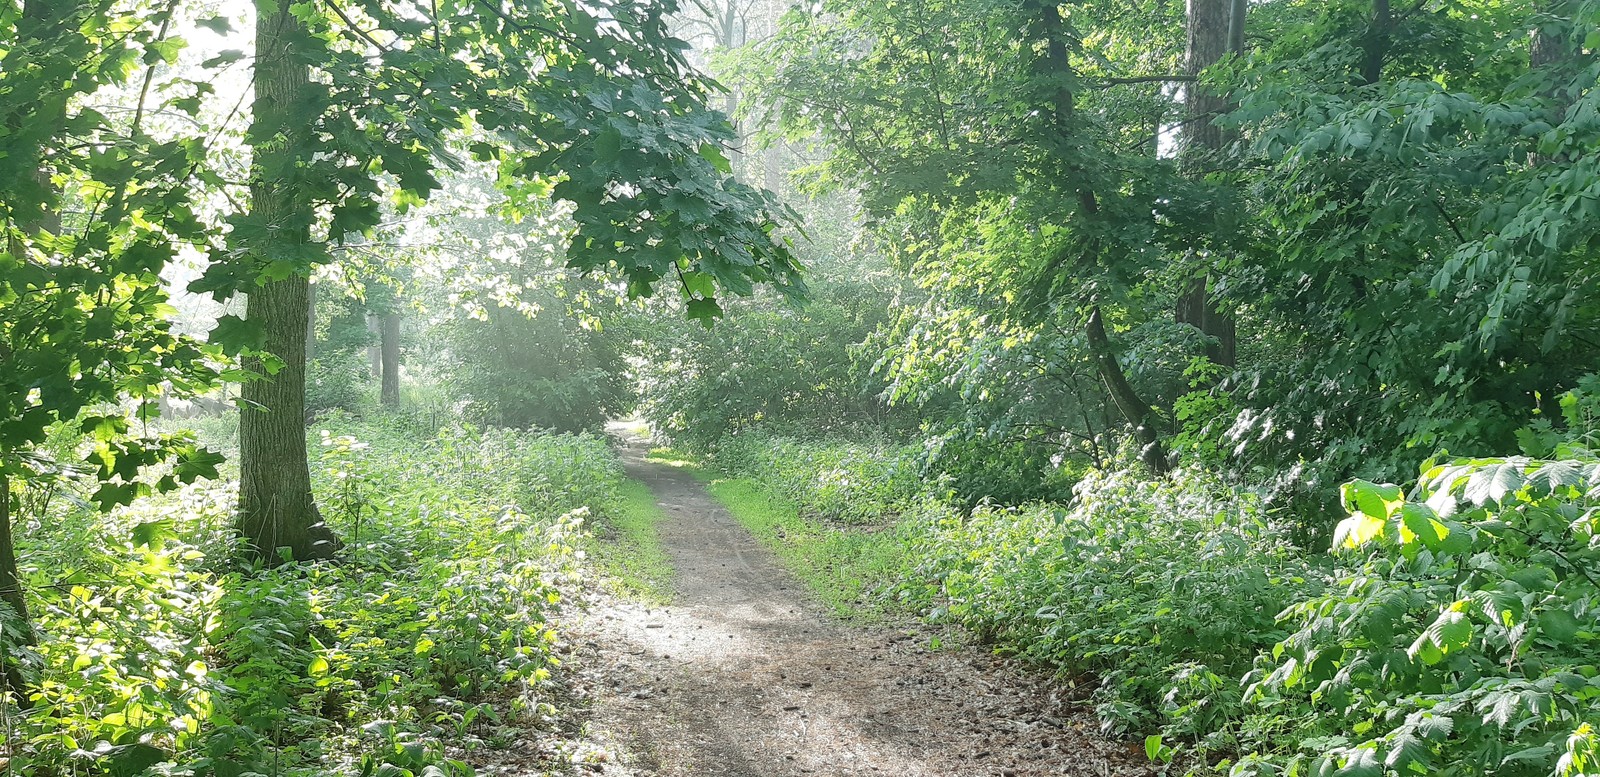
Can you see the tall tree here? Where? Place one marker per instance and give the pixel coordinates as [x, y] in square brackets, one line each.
[276, 508]
[1006, 156]
[1212, 25]
[588, 103]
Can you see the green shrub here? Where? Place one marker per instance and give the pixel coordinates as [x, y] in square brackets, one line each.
[440, 618]
[1463, 639]
[866, 483]
[1157, 593]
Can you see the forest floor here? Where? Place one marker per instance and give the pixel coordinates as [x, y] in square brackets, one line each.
[745, 674]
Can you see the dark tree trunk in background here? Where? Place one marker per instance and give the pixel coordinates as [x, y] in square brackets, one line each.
[375, 351]
[1552, 49]
[1136, 410]
[1054, 63]
[1375, 49]
[1212, 25]
[391, 361]
[1207, 43]
[276, 509]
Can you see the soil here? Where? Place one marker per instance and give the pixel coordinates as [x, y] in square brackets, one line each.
[745, 674]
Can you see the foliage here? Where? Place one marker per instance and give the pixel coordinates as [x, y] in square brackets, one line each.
[437, 627]
[852, 568]
[1462, 637]
[94, 209]
[835, 482]
[772, 366]
[628, 545]
[1157, 594]
[1430, 201]
[592, 106]
[338, 381]
[537, 367]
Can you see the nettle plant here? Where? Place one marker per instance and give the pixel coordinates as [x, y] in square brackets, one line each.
[1466, 638]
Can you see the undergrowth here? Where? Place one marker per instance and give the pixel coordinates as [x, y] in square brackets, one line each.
[435, 629]
[1455, 630]
[846, 566]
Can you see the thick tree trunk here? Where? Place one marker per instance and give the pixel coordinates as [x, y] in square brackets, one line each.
[390, 392]
[276, 509]
[1136, 410]
[1212, 24]
[1207, 43]
[311, 322]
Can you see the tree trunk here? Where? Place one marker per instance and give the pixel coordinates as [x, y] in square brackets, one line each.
[1138, 413]
[276, 509]
[375, 351]
[391, 361]
[1212, 25]
[311, 322]
[1055, 64]
[12, 594]
[1207, 43]
[1375, 49]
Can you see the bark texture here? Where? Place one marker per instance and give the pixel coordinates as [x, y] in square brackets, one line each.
[12, 594]
[276, 509]
[1213, 28]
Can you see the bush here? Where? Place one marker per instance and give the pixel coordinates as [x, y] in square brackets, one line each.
[771, 367]
[536, 368]
[1158, 594]
[1463, 639]
[438, 621]
[847, 483]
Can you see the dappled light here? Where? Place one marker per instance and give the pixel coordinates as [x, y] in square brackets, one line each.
[743, 388]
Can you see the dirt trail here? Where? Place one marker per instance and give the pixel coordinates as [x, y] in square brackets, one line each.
[745, 675]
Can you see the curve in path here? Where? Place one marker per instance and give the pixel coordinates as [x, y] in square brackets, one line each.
[744, 675]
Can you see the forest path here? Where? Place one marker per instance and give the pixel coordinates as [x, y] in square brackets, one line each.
[746, 675]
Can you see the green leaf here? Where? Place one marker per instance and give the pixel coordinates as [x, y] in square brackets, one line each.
[703, 310]
[714, 155]
[236, 335]
[1558, 625]
[133, 759]
[154, 534]
[1493, 482]
[1371, 499]
[607, 146]
[165, 50]
[226, 57]
[217, 24]
[1418, 524]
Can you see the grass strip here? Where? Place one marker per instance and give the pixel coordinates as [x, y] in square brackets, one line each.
[845, 566]
[630, 550]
